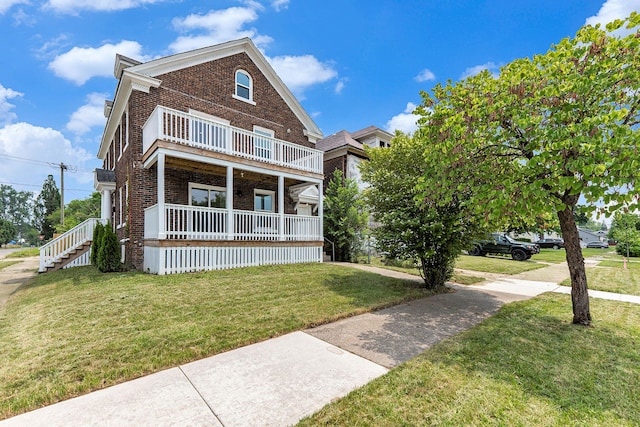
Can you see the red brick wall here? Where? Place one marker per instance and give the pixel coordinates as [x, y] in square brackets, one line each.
[208, 88]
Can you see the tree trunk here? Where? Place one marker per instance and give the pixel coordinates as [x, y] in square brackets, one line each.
[575, 261]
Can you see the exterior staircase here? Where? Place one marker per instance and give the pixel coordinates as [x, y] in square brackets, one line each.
[71, 249]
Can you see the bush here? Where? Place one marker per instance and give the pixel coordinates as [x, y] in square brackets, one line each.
[109, 251]
[96, 243]
[634, 249]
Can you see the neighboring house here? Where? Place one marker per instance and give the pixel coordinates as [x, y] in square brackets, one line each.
[209, 162]
[345, 151]
[587, 236]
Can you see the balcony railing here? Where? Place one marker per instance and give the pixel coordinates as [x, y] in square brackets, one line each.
[182, 128]
[184, 222]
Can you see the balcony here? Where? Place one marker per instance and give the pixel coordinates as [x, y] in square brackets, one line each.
[182, 222]
[175, 126]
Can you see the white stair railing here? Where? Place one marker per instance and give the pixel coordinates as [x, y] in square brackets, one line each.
[62, 245]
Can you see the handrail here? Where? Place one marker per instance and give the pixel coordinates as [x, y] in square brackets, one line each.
[64, 244]
[187, 129]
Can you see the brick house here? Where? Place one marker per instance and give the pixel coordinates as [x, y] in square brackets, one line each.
[345, 151]
[209, 162]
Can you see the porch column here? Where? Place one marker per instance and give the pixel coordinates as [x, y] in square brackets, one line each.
[321, 210]
[229, 204]
[105, 206]
[281, 207]
[162, 232]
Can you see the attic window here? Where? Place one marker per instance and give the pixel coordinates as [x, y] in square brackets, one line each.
[244, 87]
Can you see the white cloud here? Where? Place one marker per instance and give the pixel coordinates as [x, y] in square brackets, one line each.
[89, 115]
[472, 71]
[301, 72]
[340, 85]
[612, 10]
[40, 145]
[425, 76]
[81, 64]
[405, 121]
[75, 6]
[6, 116]
[280, 4]
[6, 4]
[217, 26]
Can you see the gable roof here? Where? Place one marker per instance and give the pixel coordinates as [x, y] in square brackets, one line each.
[133, 74]
[372, 131]
[337, 140]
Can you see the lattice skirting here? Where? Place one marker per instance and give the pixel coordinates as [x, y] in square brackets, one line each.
[172, 260]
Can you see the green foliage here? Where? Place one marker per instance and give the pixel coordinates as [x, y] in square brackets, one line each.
[8, 231]
[76, 212]
[96, 243]
[109, 251]
[16, 207]
[47, 202]
[625, 229]
[547, 131]
[345, 216]
[431, 234]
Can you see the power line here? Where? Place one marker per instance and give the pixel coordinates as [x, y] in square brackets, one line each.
[40, 186]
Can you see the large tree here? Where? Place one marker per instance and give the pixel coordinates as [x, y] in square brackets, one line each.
[76, 211]
[16, 207]
[547, 132]
[431, 234]
[47, 202]
[345, 216]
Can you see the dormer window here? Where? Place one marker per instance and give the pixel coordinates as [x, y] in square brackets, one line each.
[244, 87]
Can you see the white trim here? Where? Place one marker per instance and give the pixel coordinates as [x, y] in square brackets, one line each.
[209, 117]
[258, 191]
[193, 185]
[236, 95]
[183, 60]
[264, 131]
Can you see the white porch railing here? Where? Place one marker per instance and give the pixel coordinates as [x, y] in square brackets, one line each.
[183, 128]
[62, 245]
[198, 223]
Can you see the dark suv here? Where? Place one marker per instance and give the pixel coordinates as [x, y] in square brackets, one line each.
[501, 244]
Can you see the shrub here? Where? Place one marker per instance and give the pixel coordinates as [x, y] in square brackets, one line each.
[96, 242]
[634, 249]
[109, 251]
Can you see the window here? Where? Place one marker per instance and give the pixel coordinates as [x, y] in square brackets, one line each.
[263, 200]
[244, 87]
[207, 196]
[263, 146]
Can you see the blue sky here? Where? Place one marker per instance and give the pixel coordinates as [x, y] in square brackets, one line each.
[351, 64]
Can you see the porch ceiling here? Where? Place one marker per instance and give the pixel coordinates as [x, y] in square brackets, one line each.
[211, 169]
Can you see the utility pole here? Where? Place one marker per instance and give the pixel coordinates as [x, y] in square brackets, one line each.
[63, 168]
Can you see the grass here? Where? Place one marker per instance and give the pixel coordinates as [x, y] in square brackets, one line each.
[23, 253]
[73, 331]
[405, 267]
[5, 264]
[610, 276]
[525, 366]
[500, 265]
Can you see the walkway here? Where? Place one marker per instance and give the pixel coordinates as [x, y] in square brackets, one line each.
[279, 381]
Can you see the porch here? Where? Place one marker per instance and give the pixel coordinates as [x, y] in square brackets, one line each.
[183, 222]
[197, 131]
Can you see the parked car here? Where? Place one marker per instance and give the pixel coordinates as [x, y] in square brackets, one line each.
[550, 243]
[598, 244]
[501, 244]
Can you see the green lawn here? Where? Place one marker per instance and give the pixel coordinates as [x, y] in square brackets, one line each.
[525, 366]
[77, 330]
[501, 265]
[610, 276]
[405, 267]
[5, 264]
[23, 253]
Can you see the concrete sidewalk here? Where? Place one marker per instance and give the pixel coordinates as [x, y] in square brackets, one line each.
[279, 381]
